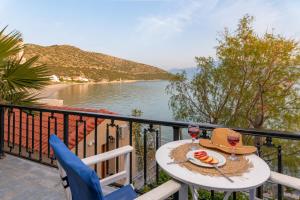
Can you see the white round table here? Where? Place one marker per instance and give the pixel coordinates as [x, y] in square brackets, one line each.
[249, 181]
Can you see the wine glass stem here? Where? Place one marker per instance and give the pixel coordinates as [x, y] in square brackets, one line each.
[192, 146]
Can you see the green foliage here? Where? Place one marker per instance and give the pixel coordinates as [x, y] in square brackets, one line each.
[138, 139]
[10, 45]
[19, 78]
[64, 60]
[253, 82]
[162, 178]
[204, 195]
[22, 75]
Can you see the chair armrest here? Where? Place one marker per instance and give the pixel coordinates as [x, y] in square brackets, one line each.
[285, 180]
[161, 192]
[113, 178]
[107, 155]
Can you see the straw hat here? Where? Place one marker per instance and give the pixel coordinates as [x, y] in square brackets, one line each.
[219, 141]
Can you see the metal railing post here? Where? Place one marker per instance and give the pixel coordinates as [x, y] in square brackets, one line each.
[176, 196]
[66, 129]
[279, 169]
[2, 132]
[176, 133]
[130, 158]
[156, 147]
[259, 190]
[212, 195]
[176, 136]
[145, 156]
[234, 196]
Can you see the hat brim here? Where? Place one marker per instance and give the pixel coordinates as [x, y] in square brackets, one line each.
[238, 150]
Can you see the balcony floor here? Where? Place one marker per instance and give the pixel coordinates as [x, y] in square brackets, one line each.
[22, 179]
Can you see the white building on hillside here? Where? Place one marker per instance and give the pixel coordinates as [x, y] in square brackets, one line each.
[81, 79]
[54, 78]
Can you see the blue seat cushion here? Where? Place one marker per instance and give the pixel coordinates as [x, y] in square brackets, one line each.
[124, 193]
[83, 181]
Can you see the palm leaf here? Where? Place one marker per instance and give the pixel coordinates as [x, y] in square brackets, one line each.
[10, 44]
[19, 80]
[25, 98]
[22, 76]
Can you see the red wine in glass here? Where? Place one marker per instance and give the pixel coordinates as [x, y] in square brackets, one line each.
[193, 131]
[233, 140]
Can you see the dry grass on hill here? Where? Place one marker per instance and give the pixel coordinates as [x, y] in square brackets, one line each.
[65, 60]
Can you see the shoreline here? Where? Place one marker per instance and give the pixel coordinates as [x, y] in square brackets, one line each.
[49, 90]
[125, 81]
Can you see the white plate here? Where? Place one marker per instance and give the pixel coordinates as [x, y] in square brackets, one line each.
[192, 159]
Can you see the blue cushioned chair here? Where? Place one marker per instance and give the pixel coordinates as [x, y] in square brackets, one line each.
[81, 182]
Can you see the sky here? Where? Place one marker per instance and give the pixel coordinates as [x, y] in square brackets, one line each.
[164, 33]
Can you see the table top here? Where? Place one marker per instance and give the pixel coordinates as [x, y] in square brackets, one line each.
[256, 176]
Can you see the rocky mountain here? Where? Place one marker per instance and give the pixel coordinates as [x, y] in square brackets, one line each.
[65, 60]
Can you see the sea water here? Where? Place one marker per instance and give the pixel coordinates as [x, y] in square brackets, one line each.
[148, 96]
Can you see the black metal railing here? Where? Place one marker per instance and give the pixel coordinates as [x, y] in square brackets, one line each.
[25, 132]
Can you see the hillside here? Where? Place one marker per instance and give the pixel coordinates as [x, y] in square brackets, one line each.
[65, 60]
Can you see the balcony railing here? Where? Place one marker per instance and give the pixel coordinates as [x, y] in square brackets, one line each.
[24, 132]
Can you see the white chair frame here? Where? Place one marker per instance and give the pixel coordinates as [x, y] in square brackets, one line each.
[161, 192]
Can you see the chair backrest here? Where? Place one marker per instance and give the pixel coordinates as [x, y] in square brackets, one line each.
[83, 181]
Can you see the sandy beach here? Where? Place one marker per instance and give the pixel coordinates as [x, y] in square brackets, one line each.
[54, 87]
[50, 89]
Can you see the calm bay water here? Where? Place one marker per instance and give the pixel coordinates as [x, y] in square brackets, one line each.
[148, 96]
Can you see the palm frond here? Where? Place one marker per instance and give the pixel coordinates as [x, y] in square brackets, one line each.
[25, 98]
[19, 80]
[10, 44]
[22, 76]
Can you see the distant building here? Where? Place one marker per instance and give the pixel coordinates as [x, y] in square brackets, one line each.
[80, 78]
[65, 78]
[54, 78]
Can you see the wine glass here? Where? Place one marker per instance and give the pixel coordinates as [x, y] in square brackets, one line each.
[233, 139]
[193, 131]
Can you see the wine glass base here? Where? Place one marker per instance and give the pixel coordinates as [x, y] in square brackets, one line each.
[193, 148]
[233, 158]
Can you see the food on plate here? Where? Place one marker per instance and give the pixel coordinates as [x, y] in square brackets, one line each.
[214, 161]
[204, 157]
[200, 154]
